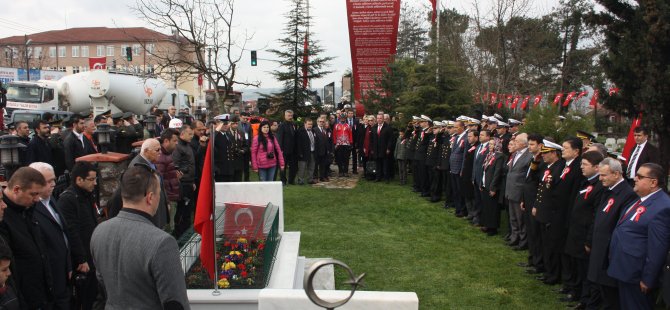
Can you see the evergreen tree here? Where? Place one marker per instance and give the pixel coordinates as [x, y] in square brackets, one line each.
[637, 36]
[291, 55]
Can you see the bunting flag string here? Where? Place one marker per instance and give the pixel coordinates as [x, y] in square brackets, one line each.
[514, 101]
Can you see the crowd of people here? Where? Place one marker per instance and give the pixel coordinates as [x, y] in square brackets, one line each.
[594, 222]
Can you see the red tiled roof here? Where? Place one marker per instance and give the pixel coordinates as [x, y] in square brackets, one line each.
[89, 35]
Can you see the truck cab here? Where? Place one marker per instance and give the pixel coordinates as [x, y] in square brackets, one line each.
[40, 95]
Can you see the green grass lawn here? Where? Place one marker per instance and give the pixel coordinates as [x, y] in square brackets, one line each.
[405, 243]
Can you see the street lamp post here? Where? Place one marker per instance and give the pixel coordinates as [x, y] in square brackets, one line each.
[27, 42]
[9, 154]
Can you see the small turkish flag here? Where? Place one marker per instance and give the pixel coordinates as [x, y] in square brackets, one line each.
[558, 97]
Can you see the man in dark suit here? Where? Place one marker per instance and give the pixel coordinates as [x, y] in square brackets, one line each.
[380, 148]
[305, 148]
[75, 144]
[528, 195]
[245, 129]
[322, 152]
[54, 230]
[456, 164]
[644, 152]
[241, 148]
[286, 137]
[545, 208]
[617, 196]
[478, 172]
[224, 157]
[39, 149]
[30, 267]
[420, 156]
[641, 240]
[580, 225]
[355, 128]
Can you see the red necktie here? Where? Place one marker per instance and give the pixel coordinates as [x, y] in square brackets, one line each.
[379, 130]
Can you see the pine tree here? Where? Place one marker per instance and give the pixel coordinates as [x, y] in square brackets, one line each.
[291, 59]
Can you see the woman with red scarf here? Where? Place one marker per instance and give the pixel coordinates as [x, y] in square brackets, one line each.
[342, 139]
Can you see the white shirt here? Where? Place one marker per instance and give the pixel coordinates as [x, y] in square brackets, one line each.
[55, 215]
[617, 183]
[79, 136]
[633, 165]
[518, 154]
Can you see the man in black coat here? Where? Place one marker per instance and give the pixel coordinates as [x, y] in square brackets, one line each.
[618, 196]
[421, 172]
[78, 206]
[54, 230]
[466, 181]
[31, 269]
[481, 152]
[528, 195]
[580, 226]
[286, 137]
[305, 151]
[241, 148]
[23, 132]
[323, 148]
[432, 158]
[75, 144]
[224, 156]
[443, 162]
[380, 148]
[355, 128]
[39, 149]
[644, 152]
[545, 208]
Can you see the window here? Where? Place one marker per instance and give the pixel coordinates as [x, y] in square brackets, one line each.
[75, 69]
[136, 49]
[61, 51]
[37, 52]
[52, 51]
[150, 48]
[15, 52]
[110, 50]
[100, 51]
[84, 51]
[123, 49]
[75, 51]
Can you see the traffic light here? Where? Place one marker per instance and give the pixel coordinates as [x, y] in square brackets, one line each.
[129, 53]
[254, 60]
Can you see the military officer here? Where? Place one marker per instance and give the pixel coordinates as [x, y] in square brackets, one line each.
[586, 138]
[224, 146]
[444, 151]
[432, 158]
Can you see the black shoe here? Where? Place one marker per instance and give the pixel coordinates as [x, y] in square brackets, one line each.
[568, 298]
[563, 290]
[578, 306]
[520, 248]
[550, 282]
[425, 194]
[540, 278]
[492, 232]
[462, 215]
[355, 172]
[524, 264]
[433, 199]
[513, 243]
[533, 271]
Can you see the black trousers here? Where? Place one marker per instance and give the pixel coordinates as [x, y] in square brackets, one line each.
[223, 178]
[446, 187]
[551, 258]
[245, 167]
[610, 297]
[322, 166]
[354, 160]
[422, 176]
[291, 162]
[569, 275]
[534, 236]
[182, 217]
[435, 183]
[459, 200]
[342, 158]
[382, 168]
[237, 176]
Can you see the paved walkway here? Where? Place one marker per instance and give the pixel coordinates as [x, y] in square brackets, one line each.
[341, 182]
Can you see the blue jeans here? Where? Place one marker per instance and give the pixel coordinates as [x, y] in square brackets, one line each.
[266, 174]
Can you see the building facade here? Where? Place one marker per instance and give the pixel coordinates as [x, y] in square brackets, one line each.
[69, 51]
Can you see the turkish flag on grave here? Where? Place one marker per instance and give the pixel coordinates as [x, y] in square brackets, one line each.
[537, 100]
[508, 101]
[515, 102]
[204, 214]
[613, 91]
[243, 221]
[582, 94]
[594, 99]
[494, 96]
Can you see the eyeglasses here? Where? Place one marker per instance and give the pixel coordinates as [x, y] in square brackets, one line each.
[639, 176]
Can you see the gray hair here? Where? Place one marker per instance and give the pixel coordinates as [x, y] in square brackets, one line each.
[600, 147]
[522, 138]
[613, 164]
[149, 143]
[288, 111]
[42, 167]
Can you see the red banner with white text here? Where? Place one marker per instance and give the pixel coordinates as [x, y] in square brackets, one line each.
[97, 63]
[373, 32]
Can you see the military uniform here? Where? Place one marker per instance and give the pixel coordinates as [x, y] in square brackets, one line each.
[420, 156]
[225, 157]
[444, 151]
[434, 175]
[411, 155]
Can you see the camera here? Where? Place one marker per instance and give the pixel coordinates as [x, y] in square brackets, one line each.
[271, 155]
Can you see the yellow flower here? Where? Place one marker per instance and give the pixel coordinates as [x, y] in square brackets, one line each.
[229, 265]
[234, 253]
[242, 240]
[223, 283]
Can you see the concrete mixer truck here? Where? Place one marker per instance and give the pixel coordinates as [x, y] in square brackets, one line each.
[96, 91]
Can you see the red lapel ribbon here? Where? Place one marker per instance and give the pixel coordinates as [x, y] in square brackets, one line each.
[588, 191]
[609, 205]
[565, 172]
[640, 210]
[546, 173]
[471, 149]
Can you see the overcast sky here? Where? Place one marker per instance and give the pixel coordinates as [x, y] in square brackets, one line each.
[264, 18]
